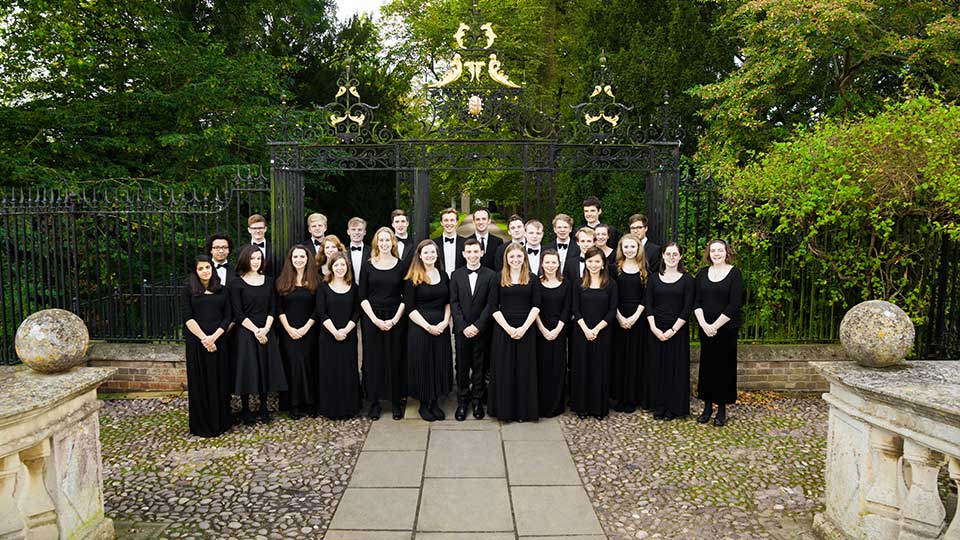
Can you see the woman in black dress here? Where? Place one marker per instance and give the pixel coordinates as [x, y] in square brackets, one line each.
[206, 314]
[552, 338]
[426, 295]
[253, 300]
[297, 287]
[513, 350]
[331, 246]
[338, 309]
[594, 309]
[669, 298]
[718, 299]
[601, 237]
[628, 337]
[384, 326]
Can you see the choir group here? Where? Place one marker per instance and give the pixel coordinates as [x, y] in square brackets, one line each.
[591, 318]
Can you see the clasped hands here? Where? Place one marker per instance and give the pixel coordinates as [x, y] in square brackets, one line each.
[209, 343]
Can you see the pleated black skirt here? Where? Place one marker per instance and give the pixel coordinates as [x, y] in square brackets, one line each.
[717, 382]
[512, 393]
[384, 358]
[338, 376]
[258, 368]
[429, 361]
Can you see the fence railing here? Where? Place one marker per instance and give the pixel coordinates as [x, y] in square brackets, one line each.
[117, 257]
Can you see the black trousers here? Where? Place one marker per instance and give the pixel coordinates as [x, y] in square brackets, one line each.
[471, 366]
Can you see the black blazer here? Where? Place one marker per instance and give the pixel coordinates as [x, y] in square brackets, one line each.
[490, 253]
[409, 248]
[498, 258]
[469, 308]
[441, 264]
[310, 247]
[652, 252]
[573, 250]
[365, 256]
[231, 272]
[571, 271]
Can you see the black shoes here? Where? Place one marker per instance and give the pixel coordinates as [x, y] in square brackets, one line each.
[247, 417]
[478, 410]
[399, 408]
[721, 419]
[629, 408]
[425, 412]
[264, 415]
[461, 413]
[437, 411]
[374, 412]
[706, 414]
[295, 413]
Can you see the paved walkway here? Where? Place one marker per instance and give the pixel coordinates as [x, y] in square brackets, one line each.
[464, 480]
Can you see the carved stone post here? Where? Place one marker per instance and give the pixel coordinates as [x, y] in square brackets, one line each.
[12, 525]
[953, 533]
[922, 513]
[35, 501]
[881, 499]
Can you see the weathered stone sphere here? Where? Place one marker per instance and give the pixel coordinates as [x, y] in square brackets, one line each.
[876, 333]
[52, 340]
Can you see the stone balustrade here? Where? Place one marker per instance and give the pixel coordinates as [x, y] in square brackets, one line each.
[891, 433]
[51, 483]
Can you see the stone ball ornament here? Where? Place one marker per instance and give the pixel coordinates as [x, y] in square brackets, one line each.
[52, 340]
[877, 334]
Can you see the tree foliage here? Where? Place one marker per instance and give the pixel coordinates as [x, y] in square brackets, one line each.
[860, 203]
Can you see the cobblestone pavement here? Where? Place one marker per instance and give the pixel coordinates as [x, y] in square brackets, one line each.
[760, 476]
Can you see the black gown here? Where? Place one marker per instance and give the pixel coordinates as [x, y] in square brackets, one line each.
[384, 353]
[429, 357]
[670, 359]
[552, 355]
[206, 385]
[627, 382]
[259, 367]
[299, 355]
[590, 360]
[338, 388]
[513, 362]
[717, 382]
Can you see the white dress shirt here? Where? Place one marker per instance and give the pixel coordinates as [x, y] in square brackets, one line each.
[472, 278]
[263, 248]
[221, 272]
[533, 259]
[562, 253]
[449, 254]
[484, 240]
[401, 245]
[356, 257]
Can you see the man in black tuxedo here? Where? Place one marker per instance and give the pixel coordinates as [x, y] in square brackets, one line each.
[470, 288]
[257, 228]
[575, 268]
[518, 232]
[406, 245]
[357, 250]
[564, 244]
[651, 251]
[218, 248]
[591, 218]
[449, 243]
[317, 226]
[489, 243]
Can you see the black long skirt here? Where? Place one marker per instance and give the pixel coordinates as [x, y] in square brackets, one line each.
[551, 371]
[513, 375]
[429, 361]
[299, 365]
[338, 378]
[208, 407]
[671, 361]
[258, 368]
[717, 382]
[384, 358]
[590, 373]
[627, 384]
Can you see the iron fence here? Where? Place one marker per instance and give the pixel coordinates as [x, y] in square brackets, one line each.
[116, 257]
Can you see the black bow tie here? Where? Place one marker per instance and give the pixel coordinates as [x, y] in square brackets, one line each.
[356, 248]
[224, 265]
[469, 271]
[260, 245]
[582, 259]
[561, 246]
[317, 243]
[532, 251]
[401, 240]
[449, 240]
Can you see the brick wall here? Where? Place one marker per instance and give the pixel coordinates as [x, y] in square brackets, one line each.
[162, 367]
[141, 367]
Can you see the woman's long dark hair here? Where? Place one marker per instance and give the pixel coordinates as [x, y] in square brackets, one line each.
[604, 273]
[287, 281]
[243, 261]
[193, 281]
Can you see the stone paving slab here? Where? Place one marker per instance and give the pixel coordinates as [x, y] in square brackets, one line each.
[554, 510]
[465, 504]
[573, 537]
[466, 536]
[377, 509]
[540, 463]
[470, 424]
[393, 435]
[367, 535]
[465, 454]
[547, 429]
[388, 469]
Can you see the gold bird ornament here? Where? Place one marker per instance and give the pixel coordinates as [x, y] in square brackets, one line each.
[452, 74]
[497, 75]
